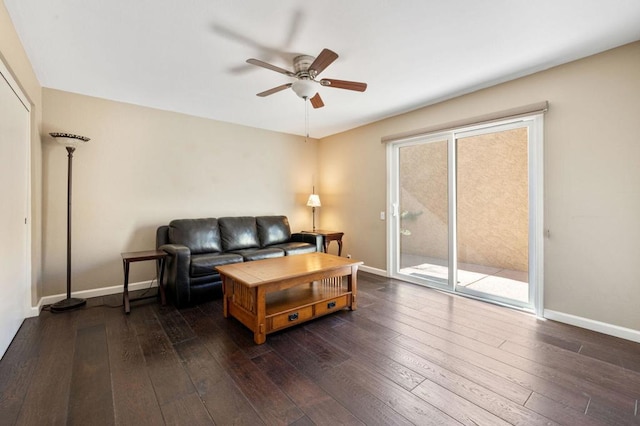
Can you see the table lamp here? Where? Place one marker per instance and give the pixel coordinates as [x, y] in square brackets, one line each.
[313, 202]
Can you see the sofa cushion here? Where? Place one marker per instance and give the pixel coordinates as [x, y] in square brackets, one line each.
[200, 235]
[258, 254]
[296, 248]
[273, 230]
[238, 233]
[204, 264]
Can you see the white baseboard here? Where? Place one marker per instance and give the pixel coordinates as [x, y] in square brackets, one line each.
[593, 325]
[85, 294]
[374, 271]
[33, 311]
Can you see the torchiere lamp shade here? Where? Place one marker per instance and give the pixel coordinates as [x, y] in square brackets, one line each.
[69, 139]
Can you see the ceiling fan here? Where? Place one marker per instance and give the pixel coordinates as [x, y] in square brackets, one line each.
[306, 69]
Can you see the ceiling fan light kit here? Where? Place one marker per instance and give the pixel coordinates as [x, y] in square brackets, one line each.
[304, 88]
[306, 69]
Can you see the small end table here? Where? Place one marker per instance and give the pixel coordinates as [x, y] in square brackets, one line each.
[327, 237]
[139, 256]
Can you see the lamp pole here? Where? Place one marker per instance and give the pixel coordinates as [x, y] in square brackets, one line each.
[313, 213]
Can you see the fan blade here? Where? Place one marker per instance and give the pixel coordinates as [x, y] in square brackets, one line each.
[294, 27]
[324, 59]
[274, 90]
[316, 101]
[343, 84]
[270, 67]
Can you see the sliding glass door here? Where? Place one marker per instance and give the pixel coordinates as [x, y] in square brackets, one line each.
[493, 214]
[466, 211]
[423, 213]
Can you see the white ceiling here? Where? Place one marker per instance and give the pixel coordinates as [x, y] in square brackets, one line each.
[189, 56]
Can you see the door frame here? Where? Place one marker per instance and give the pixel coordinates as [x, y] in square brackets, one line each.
[6, 76]
[536, 209]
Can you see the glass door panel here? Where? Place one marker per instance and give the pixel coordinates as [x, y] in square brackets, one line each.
[492, 215]
[423, 212]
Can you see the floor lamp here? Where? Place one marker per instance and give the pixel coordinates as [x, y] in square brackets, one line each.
[70, 142]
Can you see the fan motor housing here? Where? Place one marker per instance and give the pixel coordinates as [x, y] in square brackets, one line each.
[301, 64]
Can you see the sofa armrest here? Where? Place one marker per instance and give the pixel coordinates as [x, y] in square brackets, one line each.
[177, 272]
[304, 237]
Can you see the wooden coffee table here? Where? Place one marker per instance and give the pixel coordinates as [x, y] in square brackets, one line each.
[273, 294]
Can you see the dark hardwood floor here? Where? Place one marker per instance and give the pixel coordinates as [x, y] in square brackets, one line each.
[408, 355]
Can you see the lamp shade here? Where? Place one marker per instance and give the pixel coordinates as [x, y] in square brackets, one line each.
[304, 88]
[69, 140]
[314, 200]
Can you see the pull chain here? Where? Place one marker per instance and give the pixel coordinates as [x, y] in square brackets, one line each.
[306, 120]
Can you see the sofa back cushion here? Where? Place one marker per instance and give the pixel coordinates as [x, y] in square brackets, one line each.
[273, 230]
[238, 233]
[200, 235]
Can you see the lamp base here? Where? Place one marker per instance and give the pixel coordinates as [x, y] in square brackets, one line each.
[67, 304]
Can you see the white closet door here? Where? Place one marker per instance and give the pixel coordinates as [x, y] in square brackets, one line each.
[14, 169]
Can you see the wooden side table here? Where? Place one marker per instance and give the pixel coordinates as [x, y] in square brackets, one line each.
[139, 256]
[327, 237]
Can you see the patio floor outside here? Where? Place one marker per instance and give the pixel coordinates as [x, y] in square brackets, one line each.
[503, 283]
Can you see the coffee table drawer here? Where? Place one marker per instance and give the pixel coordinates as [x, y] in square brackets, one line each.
[332, 304]
[292, 317]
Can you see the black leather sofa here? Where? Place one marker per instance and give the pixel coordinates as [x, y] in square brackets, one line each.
[197, 246]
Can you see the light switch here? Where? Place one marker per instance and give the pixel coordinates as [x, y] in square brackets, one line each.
[382, 215]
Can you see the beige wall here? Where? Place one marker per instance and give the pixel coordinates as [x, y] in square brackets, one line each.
[592, 180]
[15, 58]
[144, 167]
